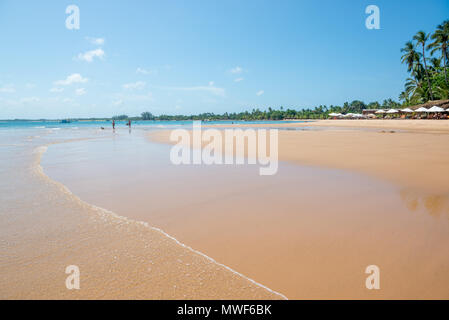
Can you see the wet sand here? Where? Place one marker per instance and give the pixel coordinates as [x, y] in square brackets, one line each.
[45, 228]
[307, 232]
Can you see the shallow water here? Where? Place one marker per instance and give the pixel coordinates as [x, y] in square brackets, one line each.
[305, 232]
[44, 228]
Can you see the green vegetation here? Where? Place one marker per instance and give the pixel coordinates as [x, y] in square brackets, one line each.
[120, 117]
[426, 81]
[320, 112]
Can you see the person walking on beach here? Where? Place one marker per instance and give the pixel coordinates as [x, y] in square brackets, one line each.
[129, 124]
[113, 124]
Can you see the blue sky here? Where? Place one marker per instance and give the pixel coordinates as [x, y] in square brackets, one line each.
[183, 57]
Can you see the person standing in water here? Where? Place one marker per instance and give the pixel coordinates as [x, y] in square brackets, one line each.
[113, 124]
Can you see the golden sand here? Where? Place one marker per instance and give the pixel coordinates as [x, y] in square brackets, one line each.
[411, 153]
[45, 228]
[305, 242]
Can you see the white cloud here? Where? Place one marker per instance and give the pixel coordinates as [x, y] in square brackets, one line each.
[29, 100]
[67, 100]
[55, 90]
[30, 85]
[145, 71]
[117, 102]
[80, 91]
[236, 70]
[238, 79]
[71, 79]
[142, 71]
[259, 93]
[96, 41]
[134, 85]
[9, 88]
[90, 55]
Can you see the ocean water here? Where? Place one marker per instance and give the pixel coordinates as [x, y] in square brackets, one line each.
[48, 124]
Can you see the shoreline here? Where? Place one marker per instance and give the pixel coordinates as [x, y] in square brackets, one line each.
[275, 229]
[411, 125]
[40, 171]
[119, 257]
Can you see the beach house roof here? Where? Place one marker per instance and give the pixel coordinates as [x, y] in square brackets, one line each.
[430, 104]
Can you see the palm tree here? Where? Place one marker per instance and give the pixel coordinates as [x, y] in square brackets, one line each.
[414, 90]
[436, 63]
[404, 96]
[410, 56]
[421, 38]
[441, 43]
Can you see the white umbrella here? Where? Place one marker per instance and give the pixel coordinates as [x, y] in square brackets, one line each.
[334, 114]
[436, 109]
[422, 109]
[380, 111]
[392, 111]
[407, 110]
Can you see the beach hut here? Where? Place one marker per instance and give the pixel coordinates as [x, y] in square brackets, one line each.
[422, 110]
[435, 110]
[392, 111]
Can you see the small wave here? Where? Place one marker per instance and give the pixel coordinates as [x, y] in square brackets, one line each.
[39, 151]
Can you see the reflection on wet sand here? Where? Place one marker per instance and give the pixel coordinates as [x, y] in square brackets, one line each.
[434, 205]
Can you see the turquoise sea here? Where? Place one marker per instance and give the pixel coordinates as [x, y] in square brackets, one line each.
[51, 124]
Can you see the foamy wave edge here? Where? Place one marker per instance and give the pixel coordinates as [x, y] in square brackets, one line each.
[38, 167]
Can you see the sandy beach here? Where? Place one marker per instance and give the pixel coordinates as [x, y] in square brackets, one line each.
[45, 228]
[328, 234]
[410, 153]
[347, 195]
